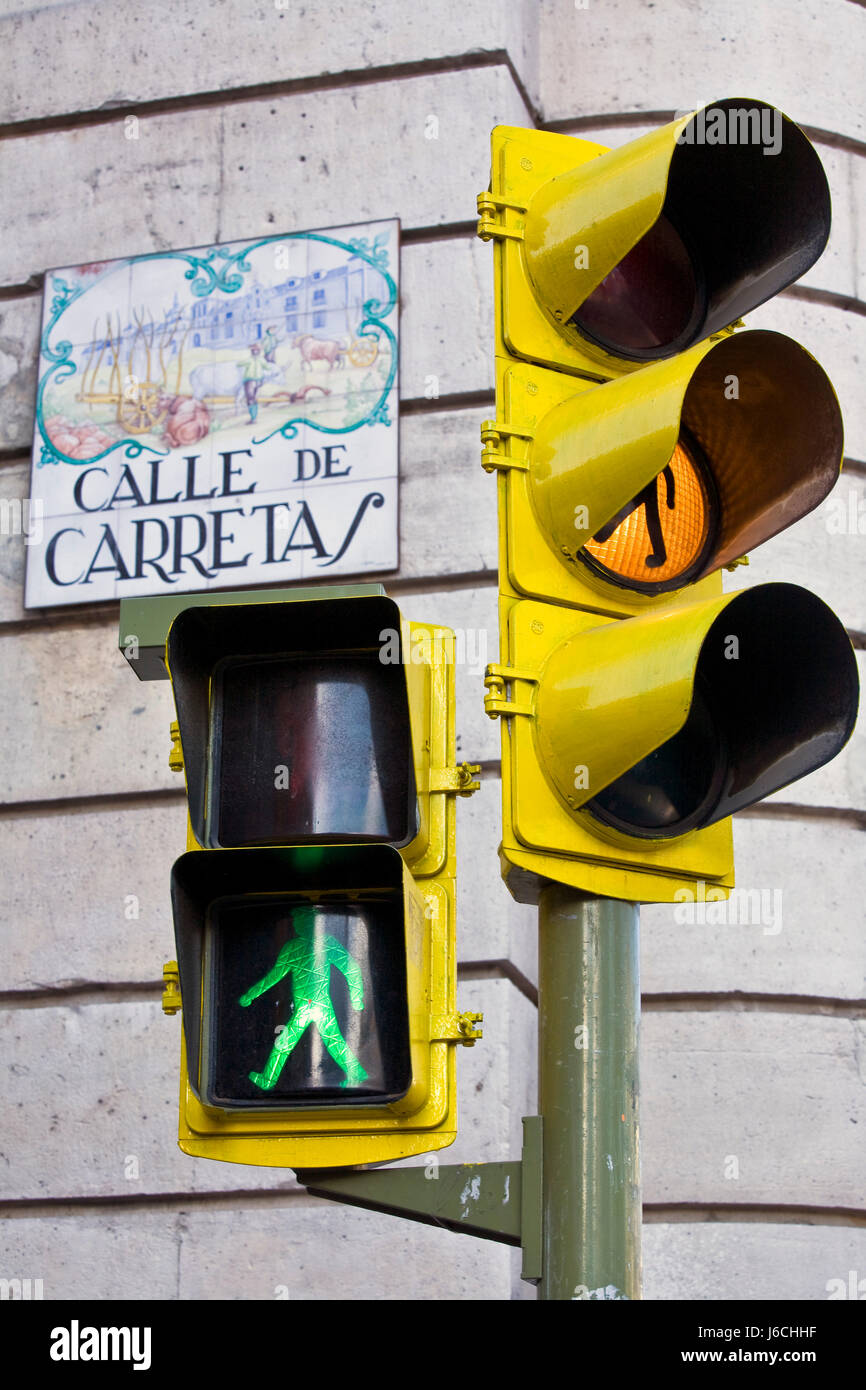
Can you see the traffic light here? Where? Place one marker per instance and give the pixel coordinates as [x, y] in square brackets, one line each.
[642, 443]
[314, 909]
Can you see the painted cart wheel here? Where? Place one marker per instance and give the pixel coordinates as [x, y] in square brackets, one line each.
[141, 411]
[363, 352]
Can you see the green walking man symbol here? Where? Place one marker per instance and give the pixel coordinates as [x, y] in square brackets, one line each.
[308, 956]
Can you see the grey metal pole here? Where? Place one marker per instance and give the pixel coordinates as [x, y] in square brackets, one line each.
[588, 1028]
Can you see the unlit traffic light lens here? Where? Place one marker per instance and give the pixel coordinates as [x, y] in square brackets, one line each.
[295, 727]
[307, 750]
[648, 304]
[774, 697]
[673, 789]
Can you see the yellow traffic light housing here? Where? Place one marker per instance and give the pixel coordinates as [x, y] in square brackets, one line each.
[628, 745]
[619, 495]
[616, 257]
[639, 706]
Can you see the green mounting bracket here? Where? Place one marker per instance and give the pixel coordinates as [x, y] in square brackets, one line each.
[492, 1201]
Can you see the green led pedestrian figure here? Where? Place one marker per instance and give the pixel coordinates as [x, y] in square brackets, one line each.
[308, 956]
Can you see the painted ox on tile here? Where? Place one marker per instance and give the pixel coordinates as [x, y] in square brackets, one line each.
[319, 350]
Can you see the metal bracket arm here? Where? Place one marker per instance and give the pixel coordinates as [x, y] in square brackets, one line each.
[460, 780]
[491, 217]
[493, 1201]
[495, 678]
[456, 1028]
[492, 436]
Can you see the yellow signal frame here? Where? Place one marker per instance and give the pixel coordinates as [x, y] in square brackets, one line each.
[541, 839]
[522, 162]
[526, 394]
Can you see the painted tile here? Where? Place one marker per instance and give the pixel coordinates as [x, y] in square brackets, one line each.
[186, 393]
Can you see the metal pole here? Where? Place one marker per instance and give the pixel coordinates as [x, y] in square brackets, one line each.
[588, 1028]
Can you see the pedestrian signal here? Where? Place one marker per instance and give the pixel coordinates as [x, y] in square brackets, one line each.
[314, 909]
[325, 1004]
[294, 742]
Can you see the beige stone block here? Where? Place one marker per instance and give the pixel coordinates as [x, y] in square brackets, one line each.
[93, 888]
[751, 1107]
[92, 1093]
[793, 927]
[77, 722]
[122, 197]
[842, 268]
[192, 178]
[803, 58]
[326, 1251]
[305, 1249]
[14, 489]
[472, 615]
[92, 1106]
[297, 1250]
[19, 351]
[750, 1262]
[103, 56]
[447, 302]
[101, 1253]
[424, 156]
[448, 522]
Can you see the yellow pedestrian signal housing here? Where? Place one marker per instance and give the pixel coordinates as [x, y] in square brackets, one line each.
[293, 730]
[322, 993]
[315, 908]
[641, 446]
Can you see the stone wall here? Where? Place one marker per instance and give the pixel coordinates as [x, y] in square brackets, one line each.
[254, 117]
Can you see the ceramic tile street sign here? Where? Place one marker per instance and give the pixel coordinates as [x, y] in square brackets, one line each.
[217, 417]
